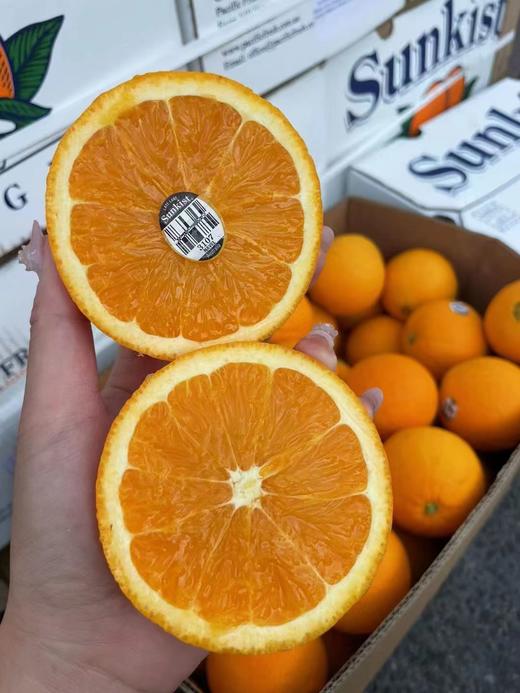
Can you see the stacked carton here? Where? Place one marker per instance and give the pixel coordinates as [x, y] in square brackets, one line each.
[464, 168]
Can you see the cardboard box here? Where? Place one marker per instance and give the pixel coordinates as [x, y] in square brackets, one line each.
[79, 50]
[483, 266]
[288, 45]
[465, 166]
[14, 344]
[376, 85]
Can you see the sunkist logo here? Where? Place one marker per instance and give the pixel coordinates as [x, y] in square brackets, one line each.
[451, 171]
[372, 81]
[24, 61]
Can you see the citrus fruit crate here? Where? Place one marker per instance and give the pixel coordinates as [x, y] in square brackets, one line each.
[483, 266]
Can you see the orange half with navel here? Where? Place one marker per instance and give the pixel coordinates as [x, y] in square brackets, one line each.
[243, 498]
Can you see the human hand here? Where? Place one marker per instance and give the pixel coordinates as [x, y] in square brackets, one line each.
[67, 625]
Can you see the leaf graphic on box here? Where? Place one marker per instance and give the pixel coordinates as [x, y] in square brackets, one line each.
[29, 51]
[21, 112]
[469, 88]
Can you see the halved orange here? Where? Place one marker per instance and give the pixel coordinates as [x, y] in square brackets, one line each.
[183, 210]
[243, 498]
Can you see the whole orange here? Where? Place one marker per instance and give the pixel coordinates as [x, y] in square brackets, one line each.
[297, 325]
[443, 333]
[379, 335]
[415, 277]
[353, 276]
[410, 396]
[300, 670]
[342, 369]
[480, 400]
[437, 479]
[502, 322]
[391, 582]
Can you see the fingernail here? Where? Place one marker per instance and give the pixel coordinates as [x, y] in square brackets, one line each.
[31, 254]
[373, 399]
[328, 237]
[325, 331]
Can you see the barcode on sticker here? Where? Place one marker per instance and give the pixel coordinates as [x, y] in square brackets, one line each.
[195, 228]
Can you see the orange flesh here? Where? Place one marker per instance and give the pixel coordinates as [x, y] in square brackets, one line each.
[122, 176]
[238, 510]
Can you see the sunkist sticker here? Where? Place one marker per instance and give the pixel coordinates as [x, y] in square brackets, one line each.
[459, 308]
[191, 226]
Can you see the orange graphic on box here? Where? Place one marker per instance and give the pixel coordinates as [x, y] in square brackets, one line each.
[447, 98]
[24, 62]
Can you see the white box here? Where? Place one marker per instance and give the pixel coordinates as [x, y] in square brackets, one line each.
[390, 71]
[465, 167]
[78, 49]
[16, 283]
[290, 44]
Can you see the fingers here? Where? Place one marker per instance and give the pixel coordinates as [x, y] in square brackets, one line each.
[372, 399]
[127, 374]
[61, 372]
[319, 344]
[327, 236]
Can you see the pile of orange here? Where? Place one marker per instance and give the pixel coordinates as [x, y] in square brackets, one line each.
[451, 385]
[451, 388]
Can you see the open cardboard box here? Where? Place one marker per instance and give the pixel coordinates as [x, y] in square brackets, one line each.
[483, 265]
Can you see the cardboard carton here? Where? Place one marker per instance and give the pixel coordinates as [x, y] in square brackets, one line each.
[375, 86]
[483, 266]
[465, 167]
[78, 50]
[14, 344]
[289, 44]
